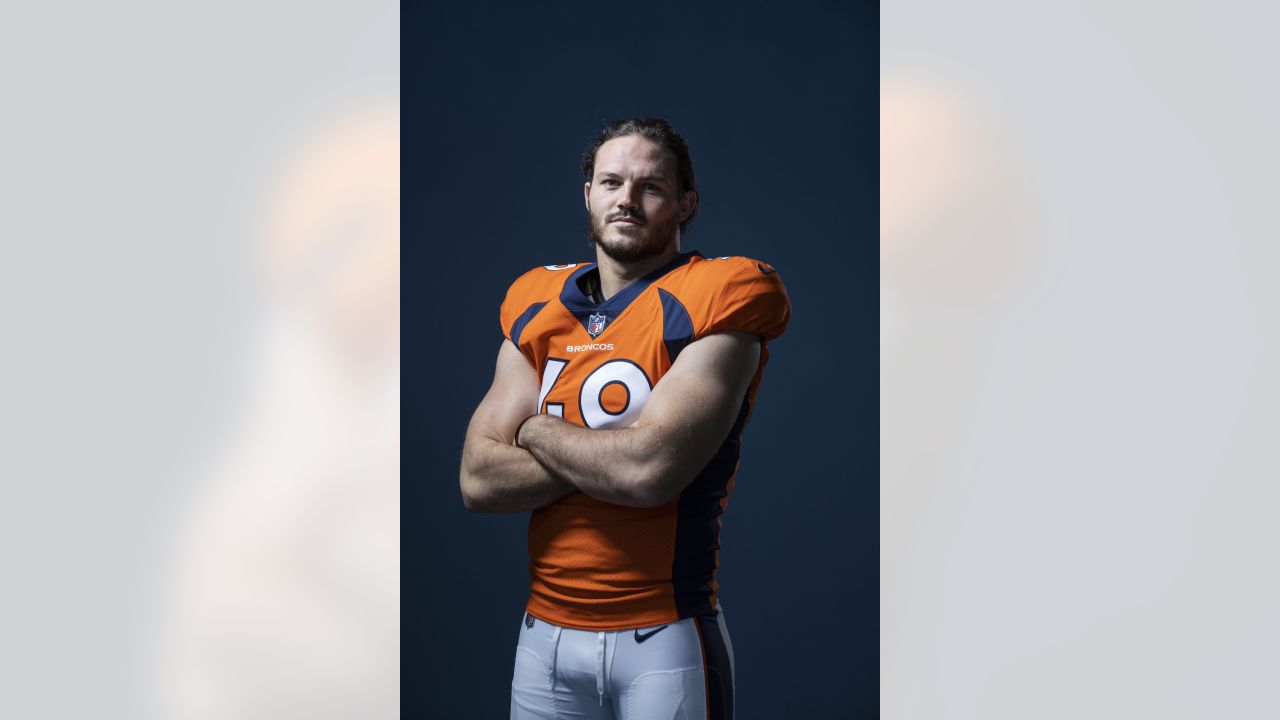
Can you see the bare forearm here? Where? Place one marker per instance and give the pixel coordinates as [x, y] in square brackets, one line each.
[616, 466]
[497, 477]
[685, 419]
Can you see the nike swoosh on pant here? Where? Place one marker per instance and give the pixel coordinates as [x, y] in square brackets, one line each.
[641, 638]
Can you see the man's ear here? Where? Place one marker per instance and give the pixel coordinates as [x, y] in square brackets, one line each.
[586, 195]
[688, 203]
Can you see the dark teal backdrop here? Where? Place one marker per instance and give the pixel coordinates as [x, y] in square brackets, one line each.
[778, 102]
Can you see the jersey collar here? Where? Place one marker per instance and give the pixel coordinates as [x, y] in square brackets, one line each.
[584, 307]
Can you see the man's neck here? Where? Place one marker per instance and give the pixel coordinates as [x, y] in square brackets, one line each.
[614, 275]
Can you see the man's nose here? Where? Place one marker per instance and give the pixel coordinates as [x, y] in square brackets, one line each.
[627, 198]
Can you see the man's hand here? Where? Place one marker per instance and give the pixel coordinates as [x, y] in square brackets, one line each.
[497, 476]
[684, 421]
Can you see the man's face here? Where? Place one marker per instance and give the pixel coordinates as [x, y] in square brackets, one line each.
[633, 204]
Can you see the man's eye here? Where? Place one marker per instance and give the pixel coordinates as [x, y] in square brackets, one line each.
[610, 183]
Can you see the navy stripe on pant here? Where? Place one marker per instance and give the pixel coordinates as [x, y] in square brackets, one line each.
[718, 668]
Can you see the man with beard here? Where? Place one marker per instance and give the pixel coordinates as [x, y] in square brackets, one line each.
[615, 415]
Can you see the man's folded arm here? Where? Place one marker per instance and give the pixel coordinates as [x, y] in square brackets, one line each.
[687, 416]
[497, 476]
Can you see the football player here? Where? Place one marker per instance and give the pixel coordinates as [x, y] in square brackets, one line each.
[615, 416]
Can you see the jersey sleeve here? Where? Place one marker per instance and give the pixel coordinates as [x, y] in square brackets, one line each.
[519, 305]
[507, 311]
[527, 296]
[751, 300]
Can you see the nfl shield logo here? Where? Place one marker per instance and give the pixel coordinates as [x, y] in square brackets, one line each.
[595, 324]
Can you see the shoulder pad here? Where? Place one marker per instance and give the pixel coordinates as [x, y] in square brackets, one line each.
[528, 294]
[734, 294]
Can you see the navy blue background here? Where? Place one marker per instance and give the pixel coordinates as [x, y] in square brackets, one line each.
[778, 103]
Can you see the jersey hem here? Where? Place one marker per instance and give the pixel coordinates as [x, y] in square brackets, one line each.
[603, 627]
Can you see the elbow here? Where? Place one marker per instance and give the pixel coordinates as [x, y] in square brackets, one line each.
[475, 502]
[656, 485]
[471, 502]
[473, 496]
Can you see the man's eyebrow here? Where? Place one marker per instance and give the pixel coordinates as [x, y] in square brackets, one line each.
[607, 174]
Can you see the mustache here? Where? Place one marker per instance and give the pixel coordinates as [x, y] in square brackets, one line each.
[625, 214]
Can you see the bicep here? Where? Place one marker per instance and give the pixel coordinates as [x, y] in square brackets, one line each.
[512, 397]
[699, 398]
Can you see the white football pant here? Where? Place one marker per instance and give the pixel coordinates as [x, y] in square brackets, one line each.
[679, 671]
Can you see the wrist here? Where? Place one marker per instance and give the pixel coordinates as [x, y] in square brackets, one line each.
[520, 427]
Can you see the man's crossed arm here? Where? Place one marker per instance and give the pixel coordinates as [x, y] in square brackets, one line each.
[686, 417]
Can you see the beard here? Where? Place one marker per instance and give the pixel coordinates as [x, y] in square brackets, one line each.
[649, 240]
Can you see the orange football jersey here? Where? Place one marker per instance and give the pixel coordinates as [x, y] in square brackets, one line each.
[594, 565]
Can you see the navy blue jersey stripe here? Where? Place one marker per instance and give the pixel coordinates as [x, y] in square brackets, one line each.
[698, 527]
[677, 328]
[517, 327]
[583, 307]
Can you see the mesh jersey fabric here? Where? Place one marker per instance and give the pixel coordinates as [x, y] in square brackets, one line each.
[594, 565]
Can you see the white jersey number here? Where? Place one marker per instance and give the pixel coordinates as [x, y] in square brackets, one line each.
[550, 374]
[594, 414]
